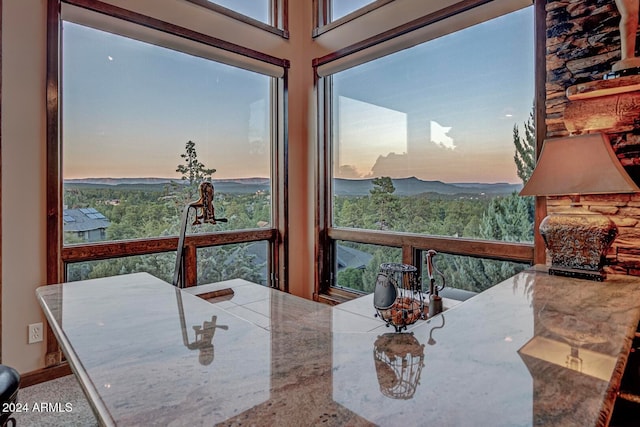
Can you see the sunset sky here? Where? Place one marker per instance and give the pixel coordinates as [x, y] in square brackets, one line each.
[443, 110]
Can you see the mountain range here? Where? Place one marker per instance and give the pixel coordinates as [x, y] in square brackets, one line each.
[342, 187]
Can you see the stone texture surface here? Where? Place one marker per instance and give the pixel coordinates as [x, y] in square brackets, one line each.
[497, 359]
[583, 42]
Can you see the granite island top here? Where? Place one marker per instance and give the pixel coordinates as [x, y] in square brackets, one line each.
[533, 350]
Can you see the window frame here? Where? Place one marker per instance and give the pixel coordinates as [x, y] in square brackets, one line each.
[322, 12]
[279, 16]
[411, 244]
[59, 255]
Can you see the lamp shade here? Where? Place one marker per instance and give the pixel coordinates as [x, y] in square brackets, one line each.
[582, 164]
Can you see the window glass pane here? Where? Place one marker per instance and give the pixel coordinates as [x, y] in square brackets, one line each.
[248, 261]
[160, 265]
[423, 139]
[340, 8]
[466, 276]
[358, 264]
[256, 9]
[143, 125]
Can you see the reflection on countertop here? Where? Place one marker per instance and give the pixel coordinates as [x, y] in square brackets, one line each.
[533, 350]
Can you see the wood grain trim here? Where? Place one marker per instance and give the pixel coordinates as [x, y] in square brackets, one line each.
[283, 14]
[191, 265]
[53, 151]
[323, 246]
[517, 252]
[97, 251]
[43, 375]
[54, 268]
[166, 27]
[281, 254]
[540, 76]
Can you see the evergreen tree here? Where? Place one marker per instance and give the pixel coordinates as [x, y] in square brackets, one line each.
[193, 170]
[382, 197]
[525, 156]
[351, 278]
[380, 255]
[508, 219]
[193, 173]
[226, 262]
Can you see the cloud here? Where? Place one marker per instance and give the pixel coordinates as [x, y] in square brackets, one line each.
[439, 135]
[394, 165]
[348, 171]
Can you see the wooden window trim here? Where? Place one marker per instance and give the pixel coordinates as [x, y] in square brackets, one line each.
[53, 355]
[117, 249]
[490, 249]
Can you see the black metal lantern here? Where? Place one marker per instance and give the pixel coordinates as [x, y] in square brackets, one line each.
[397, 297]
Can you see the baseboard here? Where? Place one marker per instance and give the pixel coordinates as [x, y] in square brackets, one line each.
[45, 374]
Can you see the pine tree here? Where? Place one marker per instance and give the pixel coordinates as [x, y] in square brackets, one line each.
[193, 173]
[525, 156]
[193, 170]
[382, 197]
[508, 219]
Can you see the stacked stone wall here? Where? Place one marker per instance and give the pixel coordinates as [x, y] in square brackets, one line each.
[582, 43]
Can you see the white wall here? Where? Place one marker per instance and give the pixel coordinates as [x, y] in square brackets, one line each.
[23, 178]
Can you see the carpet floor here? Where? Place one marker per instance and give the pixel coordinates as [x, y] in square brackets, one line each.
[55, 403]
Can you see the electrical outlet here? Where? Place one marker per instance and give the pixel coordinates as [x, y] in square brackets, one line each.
[35, 333]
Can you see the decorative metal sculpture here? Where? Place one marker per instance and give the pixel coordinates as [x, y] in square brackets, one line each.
[435, 301]
[399, 298]
[205, 213]
[205, 205]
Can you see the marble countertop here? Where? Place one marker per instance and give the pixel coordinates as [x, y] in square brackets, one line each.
[533, 350]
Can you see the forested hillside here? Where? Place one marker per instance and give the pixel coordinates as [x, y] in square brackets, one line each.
[136, 212]
[150, 208]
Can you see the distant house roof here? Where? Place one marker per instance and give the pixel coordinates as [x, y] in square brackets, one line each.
[84, 219]
[352, 258]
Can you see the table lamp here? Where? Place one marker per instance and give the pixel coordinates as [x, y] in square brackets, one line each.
[577, 239]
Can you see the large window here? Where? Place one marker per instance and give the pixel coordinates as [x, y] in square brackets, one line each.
[142, 126]
[436, 140]
[423, 140]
